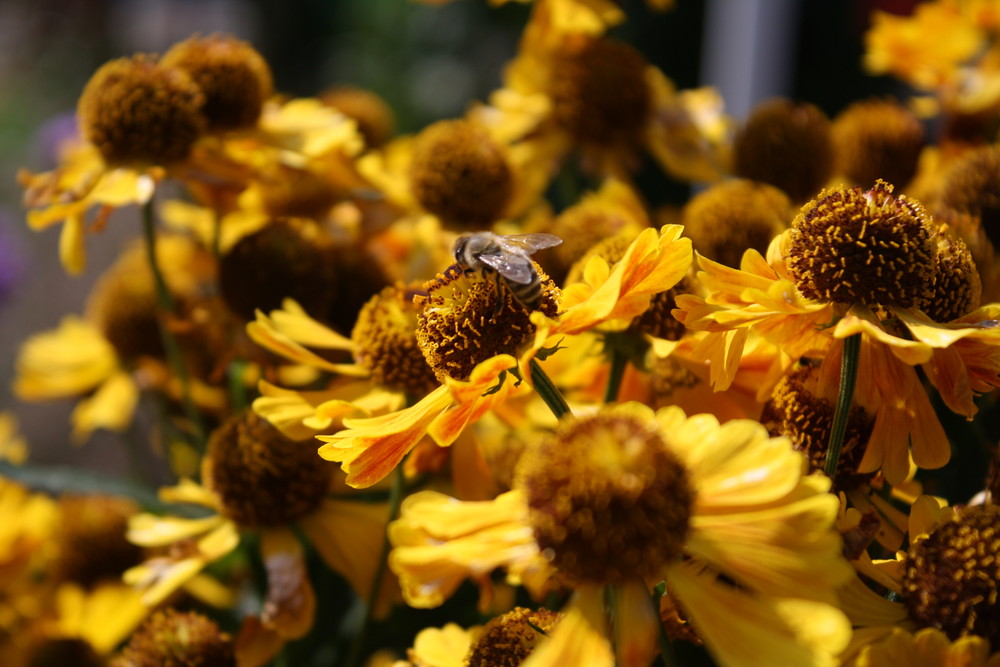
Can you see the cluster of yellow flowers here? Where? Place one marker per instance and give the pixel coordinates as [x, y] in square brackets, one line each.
[387, 374]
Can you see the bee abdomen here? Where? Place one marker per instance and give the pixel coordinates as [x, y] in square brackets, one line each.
[529, 294]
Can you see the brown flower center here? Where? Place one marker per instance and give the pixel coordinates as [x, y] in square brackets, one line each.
[297, 193]
[234, 77]
[599, 91]
[972, 185]
[608, 500]
[171, 637]
[460, 174]
[91, 539]
[878, 139]
[386, 340]
[373, 116]
[467, 319]
[795, 411]
[261, 477]
[289, 257]
[788, 145]
[727, 219]
[952, 579]
[508, 640]
[137, 112]
[955, 288]
[849, 246]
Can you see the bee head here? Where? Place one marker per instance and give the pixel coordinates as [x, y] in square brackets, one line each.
[460, 245]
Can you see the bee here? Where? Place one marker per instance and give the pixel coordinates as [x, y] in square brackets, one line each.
[506, 257]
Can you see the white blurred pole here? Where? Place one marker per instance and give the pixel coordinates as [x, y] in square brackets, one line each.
[749, 50]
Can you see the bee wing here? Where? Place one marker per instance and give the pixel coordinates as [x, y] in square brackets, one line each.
[516, 268]
[528, 243]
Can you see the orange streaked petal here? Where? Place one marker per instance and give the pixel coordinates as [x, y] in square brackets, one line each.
[369, 449]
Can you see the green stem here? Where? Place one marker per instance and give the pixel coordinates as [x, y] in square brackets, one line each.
[848, 378]
[170, 345]
[543, 385]
[237, 389]
[618, 363]
[395, 500]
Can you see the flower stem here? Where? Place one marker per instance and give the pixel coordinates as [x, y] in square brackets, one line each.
[618, 363]
[166, 303]
[395, 500]
[848, 378]
[543, 385]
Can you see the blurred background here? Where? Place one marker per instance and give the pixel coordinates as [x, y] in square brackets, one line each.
[427, 61]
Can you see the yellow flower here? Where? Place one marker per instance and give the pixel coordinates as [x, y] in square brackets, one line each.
[280, 486]
[807, 297]
[750, 516]
[572, 87]
[76, 360]
[943, 606]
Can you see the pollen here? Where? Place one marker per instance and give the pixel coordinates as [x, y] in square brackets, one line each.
[952, 578]
[386, 339]
[261, 477]
[795, 411]
[460, 174]
[599, 91]
[726, 219]
[467, 319]
[234, 77]
[608, 501]
[289, 192]
[171, 637]
[788, 145]
[508, 640]
[374, 117]
[877, 139]
[288, 257]
[90, 543]
[955, 288]
[138, 112]
[849, 246]
[972, 185]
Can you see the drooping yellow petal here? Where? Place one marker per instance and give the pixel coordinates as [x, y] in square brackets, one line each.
[290, 605]
[472, 398]
[747, 630]
[103, 616]
[349, 537]
[161, 576]
[67, 361]
[150, 530]
[112, 407]
[789, 549]
[438, 542]
[267, 333]
[72, 249]
[369, 449]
